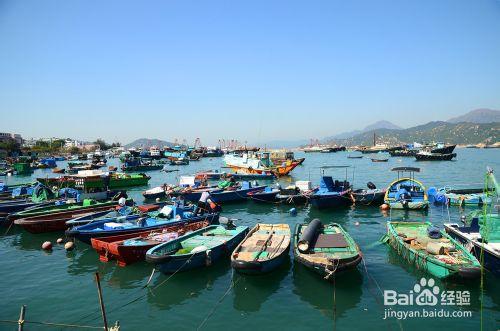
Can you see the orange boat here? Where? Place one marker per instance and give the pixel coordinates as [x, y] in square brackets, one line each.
[259, 163]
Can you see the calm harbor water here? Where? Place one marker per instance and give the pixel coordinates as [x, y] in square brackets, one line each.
[59, 287]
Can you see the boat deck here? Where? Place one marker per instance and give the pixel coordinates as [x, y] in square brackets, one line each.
[265, 243]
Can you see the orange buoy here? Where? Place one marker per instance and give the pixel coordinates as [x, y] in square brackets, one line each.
[384, 207]
[47, 246]
[60, 240]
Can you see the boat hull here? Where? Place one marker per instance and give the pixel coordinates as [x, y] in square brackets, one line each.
[323, 201]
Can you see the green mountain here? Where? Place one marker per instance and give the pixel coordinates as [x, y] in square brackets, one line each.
[456, 133]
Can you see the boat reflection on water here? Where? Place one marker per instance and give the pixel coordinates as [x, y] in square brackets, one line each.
[311, 288]
[130, 277]
[184, 286]
[251, 291]
[29, 242]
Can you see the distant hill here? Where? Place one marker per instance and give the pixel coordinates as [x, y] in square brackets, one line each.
[478, 116]
[145, 142]
[374, 126]
[458, 133]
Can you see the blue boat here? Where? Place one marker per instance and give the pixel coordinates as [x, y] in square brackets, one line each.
[219, 195]
[331, 194]
[197, 249]
[169, 215]
[267, 195]
[26, 197]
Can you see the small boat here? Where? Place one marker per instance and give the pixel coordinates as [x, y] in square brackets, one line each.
[224, 194]
[53, 218]
[458, 197]
[326, 249]
[297, 194]
[139, 164]
[169, 215]
[426, 156]
[406, 192]
[371, 196]
[354, 156]
[216, 175]
[129, 248]
[58, 170]
[267, 195]
[431, 250]
[380, 160]
[197, 249]
[471, 237]
[97, 178]
[180, 161]
[264, 249]
[331, 194]
[155, 193]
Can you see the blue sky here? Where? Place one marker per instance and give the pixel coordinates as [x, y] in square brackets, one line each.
[252, 70]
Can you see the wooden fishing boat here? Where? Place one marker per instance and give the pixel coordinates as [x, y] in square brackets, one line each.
[431, 250]
[129, 248]
[326, 249]
[97, 179]
[354, 156]
[372, 197]
[198, 249]
[406, 192]
[426, 156]
[267, 195]
[155, 193]
[264, 249]
[53, 218]
[380, 160]
[331, 194]
[118, 226]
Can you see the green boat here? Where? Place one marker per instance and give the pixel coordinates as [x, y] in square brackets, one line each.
[326, 249]
[431, 250]
[87, 204]
[93, 179]
[22, 168]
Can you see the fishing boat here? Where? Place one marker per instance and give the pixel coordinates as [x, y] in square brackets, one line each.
[168, 215]
[406, 192]
[443, 149]
[97, 179]
[157, 192]
[224, 193]
[371, 196]
[179, 161]
[216, 175]
[264, 249]
[53, 218]
[258, 163]
[129, 248]
[297, 194]
[427, 156]
[458, 197]
[431, 250]
[40, 196]
[139, 164]
[331, 193]
[198, 249]
[481, 231]
[354, 156]
[267, 195]
[403, 153]
[379, 160]
[326, 249]
[58, 170]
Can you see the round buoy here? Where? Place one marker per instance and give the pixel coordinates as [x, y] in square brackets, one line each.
[384, 207]
[60, 240]
[157, 199]
[356, 223]
[47, 246]
[69, 246]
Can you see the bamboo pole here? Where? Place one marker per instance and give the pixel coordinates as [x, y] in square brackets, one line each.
[101, 302]
[21, 318]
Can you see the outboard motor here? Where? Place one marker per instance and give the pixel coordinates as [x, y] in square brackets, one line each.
[371, 186]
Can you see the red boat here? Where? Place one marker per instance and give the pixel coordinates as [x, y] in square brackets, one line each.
[55, 221]
[130, 248]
